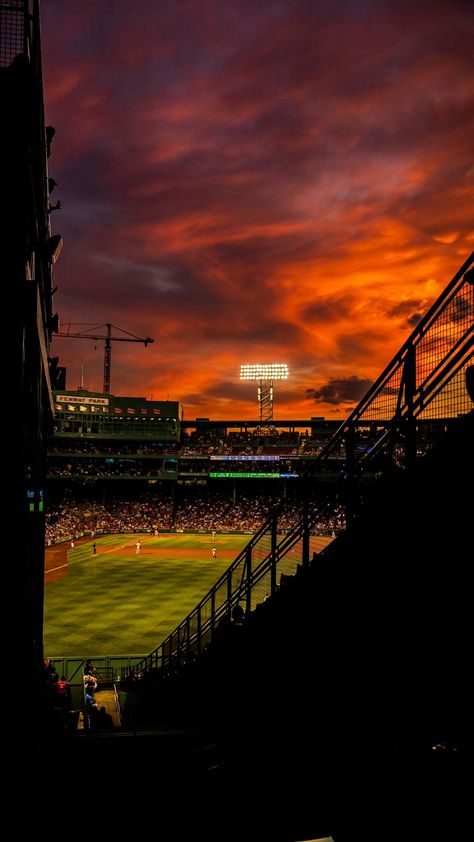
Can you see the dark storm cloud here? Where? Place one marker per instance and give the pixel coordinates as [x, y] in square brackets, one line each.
[338, 391]
[412, 310]
[460, 309]
[404, 308]
[414, 319]
[330, 309]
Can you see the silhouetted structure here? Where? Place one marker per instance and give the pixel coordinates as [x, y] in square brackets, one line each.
[28, 254]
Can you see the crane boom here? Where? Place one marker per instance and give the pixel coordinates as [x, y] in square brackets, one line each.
[108, 338]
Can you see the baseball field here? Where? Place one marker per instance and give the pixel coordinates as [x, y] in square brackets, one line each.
[118, 601]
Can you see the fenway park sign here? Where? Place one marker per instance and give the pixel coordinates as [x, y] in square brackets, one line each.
[82, 399]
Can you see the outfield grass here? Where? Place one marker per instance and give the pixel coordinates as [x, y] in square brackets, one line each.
[118, 603]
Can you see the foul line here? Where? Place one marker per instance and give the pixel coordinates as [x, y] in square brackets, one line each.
[112, 550]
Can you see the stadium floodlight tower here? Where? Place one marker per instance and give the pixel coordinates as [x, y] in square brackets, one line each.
[264, 374]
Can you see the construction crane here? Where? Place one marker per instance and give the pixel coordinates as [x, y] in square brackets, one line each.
[108, 339]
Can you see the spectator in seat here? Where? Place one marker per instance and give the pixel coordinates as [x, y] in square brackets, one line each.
[63, 692]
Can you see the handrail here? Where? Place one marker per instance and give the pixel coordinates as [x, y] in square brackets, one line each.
[85, 712]
[408, 385]
[118, 709]
[72, 666]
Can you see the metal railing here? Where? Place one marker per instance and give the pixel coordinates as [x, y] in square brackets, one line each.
[118, 709]
[106, 668]
[425, 380]
[250, 580]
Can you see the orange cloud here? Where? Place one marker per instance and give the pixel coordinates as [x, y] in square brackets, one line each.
[237, 189]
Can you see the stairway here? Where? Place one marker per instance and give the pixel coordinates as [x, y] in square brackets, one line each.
[106, 699]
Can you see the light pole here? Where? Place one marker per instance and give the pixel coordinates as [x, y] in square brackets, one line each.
[264, 374]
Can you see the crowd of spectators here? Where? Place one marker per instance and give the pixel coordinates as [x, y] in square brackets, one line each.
[119, 448]
[197, 443]
[108, 468]
[89, 517]
[120, 467]
[202, 510]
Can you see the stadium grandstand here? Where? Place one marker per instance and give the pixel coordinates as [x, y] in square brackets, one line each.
[108, 453]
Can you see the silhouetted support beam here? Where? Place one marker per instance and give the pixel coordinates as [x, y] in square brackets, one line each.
[198, 629]
[188, 632]
[349, 442]
[213, 612]
[409, 380]
[178, 646]
[229, 595]
[305, 539]
[248, 595]
[274, 551]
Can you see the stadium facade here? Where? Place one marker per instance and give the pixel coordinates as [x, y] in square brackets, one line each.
[29, 251]
[114, 450]
[101, 416]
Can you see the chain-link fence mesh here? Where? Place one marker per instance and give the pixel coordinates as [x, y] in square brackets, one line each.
[12, 30]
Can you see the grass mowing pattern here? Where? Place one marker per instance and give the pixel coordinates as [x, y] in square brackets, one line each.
[118, 603]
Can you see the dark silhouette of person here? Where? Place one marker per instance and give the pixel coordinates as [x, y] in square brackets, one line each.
[104, 720]
[238, 614]
[89, 667]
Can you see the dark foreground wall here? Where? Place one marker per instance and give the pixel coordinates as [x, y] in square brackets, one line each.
[348, 694]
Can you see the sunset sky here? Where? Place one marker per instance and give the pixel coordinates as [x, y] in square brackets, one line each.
[266, 181]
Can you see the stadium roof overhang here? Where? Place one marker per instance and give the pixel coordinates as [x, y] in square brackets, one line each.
[208, 423]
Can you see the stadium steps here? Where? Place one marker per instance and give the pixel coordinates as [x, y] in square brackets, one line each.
[106, 698]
